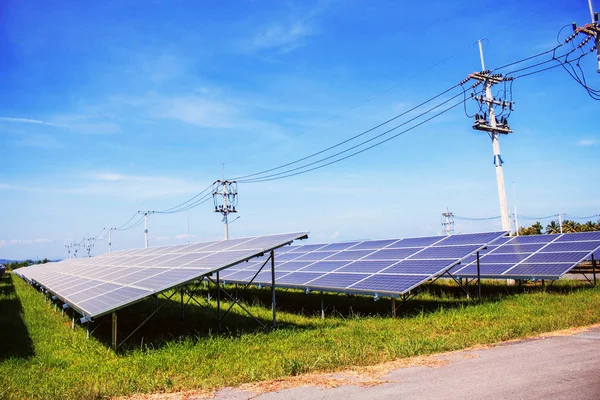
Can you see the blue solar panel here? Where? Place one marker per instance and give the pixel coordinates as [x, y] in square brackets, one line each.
[400, 262]
[389, 283]
[350, 255]
[392, 254]
[370, 267]
[530, 257]
[324, 266]
[418, 267]
[298, 278]
[338, 246]
[94, 286]
[338, 280]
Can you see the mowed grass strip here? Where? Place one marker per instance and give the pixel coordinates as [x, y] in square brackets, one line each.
[42, 357]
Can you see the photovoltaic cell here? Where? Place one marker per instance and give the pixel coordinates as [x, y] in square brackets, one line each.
[391, 266]
[96, 286]
[532, 257]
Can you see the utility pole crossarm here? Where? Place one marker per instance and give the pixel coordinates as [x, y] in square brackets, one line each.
[488, 122]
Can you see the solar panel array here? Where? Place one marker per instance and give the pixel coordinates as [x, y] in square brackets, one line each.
[532, 257]
[393, 266]
[98, 285]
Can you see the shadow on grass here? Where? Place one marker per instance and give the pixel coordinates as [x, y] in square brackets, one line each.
[167, 324]
[15, 341]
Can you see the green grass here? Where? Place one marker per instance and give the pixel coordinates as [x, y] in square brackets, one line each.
[42, 357]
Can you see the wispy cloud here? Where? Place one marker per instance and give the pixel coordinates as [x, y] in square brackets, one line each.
[286, 34]
[42, 141]
[31, 121]
[23, 241]
[587, 142]
[195, 110]
[74, 124]
[282, 37]
[185, 236]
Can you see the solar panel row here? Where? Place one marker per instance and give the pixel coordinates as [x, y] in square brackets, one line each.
[96, 286]
[393, 266]
[532, 257]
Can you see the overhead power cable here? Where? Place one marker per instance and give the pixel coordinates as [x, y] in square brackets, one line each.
[289, 173]
[240, 178]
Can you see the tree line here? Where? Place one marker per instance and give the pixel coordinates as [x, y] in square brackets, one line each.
[568, 226]
[20, 264]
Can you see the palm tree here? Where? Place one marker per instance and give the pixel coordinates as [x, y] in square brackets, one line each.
[570, 226]
[553, 228]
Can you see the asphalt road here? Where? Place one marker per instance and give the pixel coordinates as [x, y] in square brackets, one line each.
[553, 367]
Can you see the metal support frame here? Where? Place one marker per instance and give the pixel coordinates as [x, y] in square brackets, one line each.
[235, 299]
[114, 331]
[393, 307]
[273, 300]
[594, 268]
[411, 294]
[114, 323]
[478, 278]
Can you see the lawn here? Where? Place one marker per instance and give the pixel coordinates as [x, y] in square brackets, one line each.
[42, 357]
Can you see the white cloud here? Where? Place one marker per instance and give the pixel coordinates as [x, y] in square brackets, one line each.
[109, 177]
[185, 236]
[195, 110]
[284, 37]
[23, 241]
[161, 238]
[42, 141]
[31, 121]
[587, 142]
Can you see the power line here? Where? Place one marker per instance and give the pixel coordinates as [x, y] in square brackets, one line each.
[240, 178]
[266, 179]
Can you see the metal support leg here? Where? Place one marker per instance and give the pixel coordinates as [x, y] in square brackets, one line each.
[114, 331]
[478, 278]
[393, 307]
[73, 320]
[181, 306]
[273, 302]
[322, 307]
[543, 284]
[87, 330]
[594, 268]
[218, 303]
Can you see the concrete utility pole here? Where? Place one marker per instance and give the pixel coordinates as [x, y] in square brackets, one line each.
[146, 214]
[560, 222]
[110, 238]
[489, 123]
[447, 223]
[225, 197]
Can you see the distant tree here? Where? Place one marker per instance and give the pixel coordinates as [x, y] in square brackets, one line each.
[535, 229]
[553, 228]
[570, 226]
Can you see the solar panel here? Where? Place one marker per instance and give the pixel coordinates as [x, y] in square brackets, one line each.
[99, 285]
[377, 267]
[532, 257]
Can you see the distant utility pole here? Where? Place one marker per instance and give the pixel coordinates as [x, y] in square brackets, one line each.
[488, 122]
[447, 223]
[110, 238]
[146, 214]
[225, 197]
[68, 246]
[560, 222]
[89, 245]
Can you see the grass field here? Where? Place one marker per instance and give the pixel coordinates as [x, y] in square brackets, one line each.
[42, 357]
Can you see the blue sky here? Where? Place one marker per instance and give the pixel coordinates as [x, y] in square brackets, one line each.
[112, 107]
